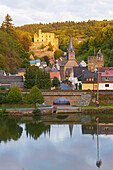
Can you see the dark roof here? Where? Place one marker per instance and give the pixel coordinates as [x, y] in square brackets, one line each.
[88, 74]
[10, 79]
[70, 48]
[78, 71]
[64, 61]
[21, 70]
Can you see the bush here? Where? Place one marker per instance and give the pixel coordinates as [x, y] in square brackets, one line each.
[2, 98]
[2, 88]
[3, 112]
[37, 112]
[55, 82]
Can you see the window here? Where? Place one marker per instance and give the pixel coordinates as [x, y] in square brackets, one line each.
[107, 79]
[106, 85]
[89, 79]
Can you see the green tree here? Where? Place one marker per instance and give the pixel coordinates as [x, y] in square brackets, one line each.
[7, 23]
[35, 76]
[25, 63]
[35, 96]
[2, 98]
[14, 96]
[46, 59]
[58, 54]
[55, 82]
[111, 58]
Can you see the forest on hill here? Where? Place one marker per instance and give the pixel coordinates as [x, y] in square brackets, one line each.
[95, 35]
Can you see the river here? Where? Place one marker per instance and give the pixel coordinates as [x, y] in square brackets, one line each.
[35, 145]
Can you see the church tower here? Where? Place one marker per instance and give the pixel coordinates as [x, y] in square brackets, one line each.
[70, 51]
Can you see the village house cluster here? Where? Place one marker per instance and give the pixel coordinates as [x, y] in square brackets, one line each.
[81, 75]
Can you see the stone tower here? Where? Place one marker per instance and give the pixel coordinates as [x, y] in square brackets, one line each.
[94, 62]
[70, 51]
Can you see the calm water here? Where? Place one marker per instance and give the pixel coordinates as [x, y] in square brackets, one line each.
[38, 146]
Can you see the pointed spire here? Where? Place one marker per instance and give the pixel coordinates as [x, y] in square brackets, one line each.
[71, 49]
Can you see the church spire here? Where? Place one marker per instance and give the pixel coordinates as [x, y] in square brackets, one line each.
[71, 49]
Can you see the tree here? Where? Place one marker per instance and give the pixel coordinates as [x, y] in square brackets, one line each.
[14, 96]
[58, 54]
[55, 82]
[35, 96]
[42, 46]
[111, 58]
[25, 63]
[35, 76]
[7, 23]
[46, 60]
[3, 26]
[50, 48]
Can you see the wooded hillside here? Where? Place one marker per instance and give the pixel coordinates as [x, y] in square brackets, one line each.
[15, 41]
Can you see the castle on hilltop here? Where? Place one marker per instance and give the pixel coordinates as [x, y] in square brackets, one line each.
[42, 41]
[45, 39]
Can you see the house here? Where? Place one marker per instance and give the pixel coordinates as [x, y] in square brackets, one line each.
[68, 62]
[58, 62]
[82, 63]
[2, 73]
[106, 80]
[35, 62]
[21, 72]
[9, 81]
[76, 75]
[89, 80]
[47, 69]
[55, 74]
[44, 64]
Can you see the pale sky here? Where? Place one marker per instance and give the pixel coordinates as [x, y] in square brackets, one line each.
[45, 11]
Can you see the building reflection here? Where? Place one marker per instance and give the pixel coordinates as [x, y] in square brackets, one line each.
[103, 128]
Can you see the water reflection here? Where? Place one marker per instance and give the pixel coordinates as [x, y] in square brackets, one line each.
[9, 129]
[64, 146]
[35, 129]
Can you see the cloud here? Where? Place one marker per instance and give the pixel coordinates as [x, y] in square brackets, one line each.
[32, 11]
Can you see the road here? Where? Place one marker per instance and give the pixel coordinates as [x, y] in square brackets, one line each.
[65, 87]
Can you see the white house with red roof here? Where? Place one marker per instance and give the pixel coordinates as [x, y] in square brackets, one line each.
[106, 80]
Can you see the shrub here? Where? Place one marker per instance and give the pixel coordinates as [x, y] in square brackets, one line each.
[2, 88]
[2, 98]
[37, 112]
[3, 112]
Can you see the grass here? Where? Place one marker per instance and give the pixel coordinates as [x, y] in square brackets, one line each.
[95, 107]
[20, 106]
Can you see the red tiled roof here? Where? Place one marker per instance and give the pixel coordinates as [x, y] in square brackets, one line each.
[54, 74]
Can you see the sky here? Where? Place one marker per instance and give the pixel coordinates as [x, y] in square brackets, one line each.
[35, 11]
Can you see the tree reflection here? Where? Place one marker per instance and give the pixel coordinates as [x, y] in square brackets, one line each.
[36, 129]
[9, 129]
